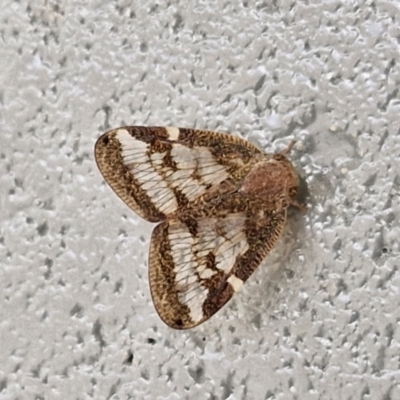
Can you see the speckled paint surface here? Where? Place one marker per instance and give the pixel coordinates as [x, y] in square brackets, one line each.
[320, 317]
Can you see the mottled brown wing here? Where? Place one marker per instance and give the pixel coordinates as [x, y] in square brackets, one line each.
[197, 265]
[158, 171]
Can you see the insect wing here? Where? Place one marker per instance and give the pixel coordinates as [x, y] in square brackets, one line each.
[196, 266]
[158, 171]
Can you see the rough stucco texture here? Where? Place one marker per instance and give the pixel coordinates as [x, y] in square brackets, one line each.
[320, 317]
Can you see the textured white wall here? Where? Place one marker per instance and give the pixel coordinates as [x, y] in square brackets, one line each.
[75, 305]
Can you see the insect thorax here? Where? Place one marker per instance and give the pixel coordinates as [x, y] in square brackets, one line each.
[271, 180]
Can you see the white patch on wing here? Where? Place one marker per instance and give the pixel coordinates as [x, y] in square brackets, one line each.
[172, 132]
[197, 161]
[144, 168]
[208, 168]
[183, 156]
[235, 282]
[207, 273]
[224, 238]
[190, 292]
[157, 158]
[182, 180]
